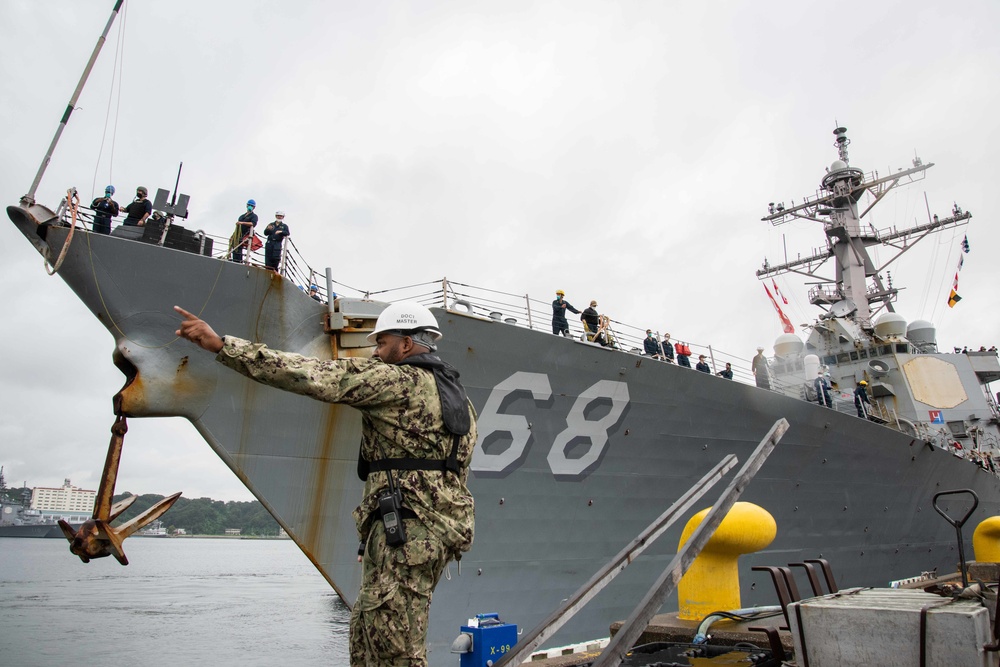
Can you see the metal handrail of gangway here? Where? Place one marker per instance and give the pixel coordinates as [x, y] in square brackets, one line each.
[638, 620]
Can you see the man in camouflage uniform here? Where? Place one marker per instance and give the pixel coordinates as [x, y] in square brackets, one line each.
[414, 413]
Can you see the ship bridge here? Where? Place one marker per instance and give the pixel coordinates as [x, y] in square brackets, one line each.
[986, 366]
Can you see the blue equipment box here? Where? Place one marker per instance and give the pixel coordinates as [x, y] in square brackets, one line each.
[492, 639]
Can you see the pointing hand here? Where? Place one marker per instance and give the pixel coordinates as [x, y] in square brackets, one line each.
[198, 332]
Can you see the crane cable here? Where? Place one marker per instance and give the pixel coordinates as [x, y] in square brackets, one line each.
[116, 70]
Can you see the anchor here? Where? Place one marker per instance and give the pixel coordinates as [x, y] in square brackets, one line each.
[97, 538]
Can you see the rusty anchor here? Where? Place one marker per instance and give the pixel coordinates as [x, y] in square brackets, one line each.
[97, 538]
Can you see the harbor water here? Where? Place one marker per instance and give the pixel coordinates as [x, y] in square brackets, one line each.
[179, 601]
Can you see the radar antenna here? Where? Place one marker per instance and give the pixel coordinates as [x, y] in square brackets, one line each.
[835, 205]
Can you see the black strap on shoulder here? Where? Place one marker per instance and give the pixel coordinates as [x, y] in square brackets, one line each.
[364, 467]
[451, 393]
[454, 411]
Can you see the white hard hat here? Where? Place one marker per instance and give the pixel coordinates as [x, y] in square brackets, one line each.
[406, 317]
[281, 213]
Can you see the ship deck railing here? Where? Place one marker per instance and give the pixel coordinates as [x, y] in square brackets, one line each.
[798, 389]
[292, 264]
[525, 311]
[519, 310]
[522, 310]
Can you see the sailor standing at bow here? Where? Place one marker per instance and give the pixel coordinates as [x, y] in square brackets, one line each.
[243, 233]
[559, 307]
[276, 233]
[418, 431]
[105, 208]
[139, 210]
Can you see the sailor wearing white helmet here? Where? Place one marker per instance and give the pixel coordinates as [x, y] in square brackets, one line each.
[418, 431]
[276, 233]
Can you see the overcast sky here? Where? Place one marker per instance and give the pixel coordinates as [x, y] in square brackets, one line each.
[621, 151]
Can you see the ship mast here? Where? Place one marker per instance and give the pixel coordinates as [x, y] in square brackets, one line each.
[847, 292]
[29, 198]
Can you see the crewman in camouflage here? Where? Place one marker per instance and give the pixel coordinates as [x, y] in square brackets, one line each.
[412, 407]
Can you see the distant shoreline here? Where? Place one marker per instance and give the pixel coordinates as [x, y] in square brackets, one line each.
[214, 537]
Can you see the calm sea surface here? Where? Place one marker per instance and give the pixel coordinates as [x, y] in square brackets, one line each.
[180, 601]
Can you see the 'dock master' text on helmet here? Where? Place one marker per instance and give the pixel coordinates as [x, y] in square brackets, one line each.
[405, 318]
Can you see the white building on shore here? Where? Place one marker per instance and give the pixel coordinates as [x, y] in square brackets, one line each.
[68, 502]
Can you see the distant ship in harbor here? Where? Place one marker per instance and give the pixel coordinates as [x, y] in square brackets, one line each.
[18, 517]
[18, 521]
[154, 529]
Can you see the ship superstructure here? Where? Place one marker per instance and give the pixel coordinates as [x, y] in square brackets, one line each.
[941, 397]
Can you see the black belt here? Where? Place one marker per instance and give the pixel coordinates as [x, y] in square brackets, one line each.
[382, 465]
[448, 464]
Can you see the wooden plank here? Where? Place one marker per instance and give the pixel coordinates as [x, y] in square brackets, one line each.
[574, 603]
[637, 621]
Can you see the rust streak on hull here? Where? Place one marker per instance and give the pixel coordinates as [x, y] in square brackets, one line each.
[318, 496]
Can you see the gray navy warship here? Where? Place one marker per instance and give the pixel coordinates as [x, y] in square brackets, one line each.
[16, 520]
[580, 445]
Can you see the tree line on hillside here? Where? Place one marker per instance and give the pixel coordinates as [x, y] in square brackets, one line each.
[204, 516]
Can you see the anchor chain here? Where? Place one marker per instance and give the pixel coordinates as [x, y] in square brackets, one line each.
[97, 538]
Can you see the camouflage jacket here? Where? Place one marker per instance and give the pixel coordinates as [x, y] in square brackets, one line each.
[401, 417]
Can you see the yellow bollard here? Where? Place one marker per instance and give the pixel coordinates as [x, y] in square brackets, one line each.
[712, 583]
[986, 541]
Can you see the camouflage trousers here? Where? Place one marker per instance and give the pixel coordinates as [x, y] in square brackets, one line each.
[389, 619]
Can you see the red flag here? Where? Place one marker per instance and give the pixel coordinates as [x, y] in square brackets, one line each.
[783, 299]
[785, 322]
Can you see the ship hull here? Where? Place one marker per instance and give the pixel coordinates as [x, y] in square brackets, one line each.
[581, 447]
[32, 530]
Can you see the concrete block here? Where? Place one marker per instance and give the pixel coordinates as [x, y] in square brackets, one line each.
[882, 627]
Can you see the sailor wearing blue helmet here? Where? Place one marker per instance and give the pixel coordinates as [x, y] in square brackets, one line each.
[243, 233]
[105, 208]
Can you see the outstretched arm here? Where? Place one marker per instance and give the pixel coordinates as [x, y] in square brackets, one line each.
[198, 332]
